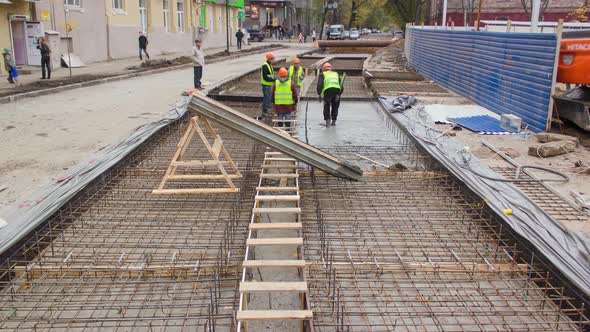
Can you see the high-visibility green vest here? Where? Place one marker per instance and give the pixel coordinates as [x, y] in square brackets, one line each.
[283, 93]
[272, 73]
[331, 80]
[299, 75]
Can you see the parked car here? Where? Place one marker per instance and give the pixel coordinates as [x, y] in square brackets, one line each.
[346, 35]
[255, 35]
[354, 34]
[375, 31]
[336, 31]
[398, 34]
[365, 31]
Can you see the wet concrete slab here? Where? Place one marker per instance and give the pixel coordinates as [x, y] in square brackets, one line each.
[362, 129]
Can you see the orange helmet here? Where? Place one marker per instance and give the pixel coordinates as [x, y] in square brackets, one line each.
[270, 56]
[283, 72]
[326, 66]
[297, 61]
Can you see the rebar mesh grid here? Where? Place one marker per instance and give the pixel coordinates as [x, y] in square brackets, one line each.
[395, 75]
[548, 201]
[354, 87]
[347, 64]
[118, 257]
[384, 87]
[407, 251]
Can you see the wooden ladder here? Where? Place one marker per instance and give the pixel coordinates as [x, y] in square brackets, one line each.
[278, 184]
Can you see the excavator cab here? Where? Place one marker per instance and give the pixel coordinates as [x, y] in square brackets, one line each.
[574, 57]
[574, 68]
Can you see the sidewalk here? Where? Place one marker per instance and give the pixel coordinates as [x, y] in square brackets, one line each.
[109, 68]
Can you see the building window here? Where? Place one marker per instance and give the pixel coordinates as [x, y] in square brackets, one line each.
[119, 5]
[143, 17]
[166, 15]
[73, 3]
[180, 15]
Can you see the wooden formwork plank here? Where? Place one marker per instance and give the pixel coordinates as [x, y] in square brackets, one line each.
[273, 286]
[293, 241]
[276, 210]
[276, 225]
[274, 263]
[250, 315]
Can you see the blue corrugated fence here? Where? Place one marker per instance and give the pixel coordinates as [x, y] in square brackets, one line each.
[504, 72]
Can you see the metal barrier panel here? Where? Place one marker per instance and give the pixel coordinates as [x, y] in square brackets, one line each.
[508, 73]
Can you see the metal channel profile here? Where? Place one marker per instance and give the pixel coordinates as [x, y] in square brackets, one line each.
[292, 147]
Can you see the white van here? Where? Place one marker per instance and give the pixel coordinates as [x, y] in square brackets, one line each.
[336, 31]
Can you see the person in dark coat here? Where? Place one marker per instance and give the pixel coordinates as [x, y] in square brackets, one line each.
[239, 36]
[43, 47]
[143, 43]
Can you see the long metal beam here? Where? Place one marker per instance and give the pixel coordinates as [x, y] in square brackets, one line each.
[275, 138]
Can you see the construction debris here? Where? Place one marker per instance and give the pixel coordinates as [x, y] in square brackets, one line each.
[398, 104]
[550, 137]
[552, 149]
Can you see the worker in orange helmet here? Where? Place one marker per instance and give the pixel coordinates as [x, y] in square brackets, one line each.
[296, 72]
[267, 80]
[329, 89]
[284, 96]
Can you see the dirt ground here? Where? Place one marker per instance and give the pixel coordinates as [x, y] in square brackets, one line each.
[518, 148]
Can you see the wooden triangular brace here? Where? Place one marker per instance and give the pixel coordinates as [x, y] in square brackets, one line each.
[216, 150]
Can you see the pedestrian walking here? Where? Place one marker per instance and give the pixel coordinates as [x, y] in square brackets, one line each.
[267, 79]
[43, 47]
[281, 32]
[10, 66]
[198, 63]
[284, 96]
[239, 36]
[247, 37]
[300, 38]
[143, 43]
[313, 35]
[330, 88]
[296, 72]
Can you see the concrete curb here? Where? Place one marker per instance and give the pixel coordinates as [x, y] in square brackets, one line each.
[31, 94]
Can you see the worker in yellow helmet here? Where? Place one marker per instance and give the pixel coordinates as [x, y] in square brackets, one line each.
[296, 72]
[329, 88]
[267, 79]
[284, 96]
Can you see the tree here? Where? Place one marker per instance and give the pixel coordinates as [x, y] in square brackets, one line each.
[405, 11]
[468, 7]
[527, 5]
[354, 10]
[580, 14]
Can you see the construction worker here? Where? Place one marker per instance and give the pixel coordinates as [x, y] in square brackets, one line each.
[296, 69]
[284, 96]
[267, 79]
[329, 88]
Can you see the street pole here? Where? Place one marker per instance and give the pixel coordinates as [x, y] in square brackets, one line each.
[227, 24]
[444, 13]
[535, 15]
[67, 28]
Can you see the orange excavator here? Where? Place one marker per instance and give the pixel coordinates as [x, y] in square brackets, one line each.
[574, 69]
